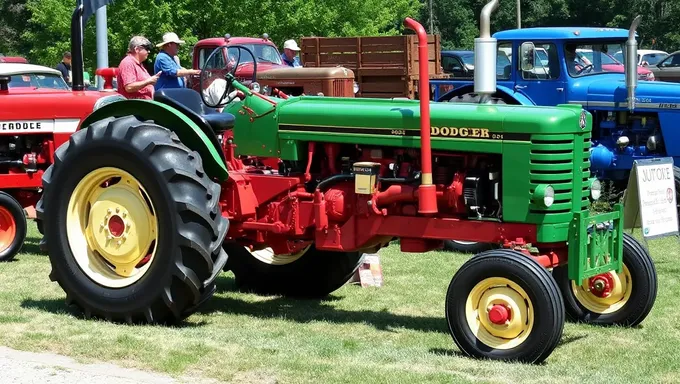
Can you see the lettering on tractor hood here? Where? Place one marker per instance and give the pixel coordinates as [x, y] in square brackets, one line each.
[38, 126]
[452, 132]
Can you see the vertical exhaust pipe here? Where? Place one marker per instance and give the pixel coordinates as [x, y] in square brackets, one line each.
[631, 63]
[427, 192]
[485, 55]
[77, 70]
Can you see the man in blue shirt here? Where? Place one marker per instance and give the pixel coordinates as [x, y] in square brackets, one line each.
[171, 73]
[289, 55]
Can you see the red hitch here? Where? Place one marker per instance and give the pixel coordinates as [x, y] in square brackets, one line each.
[427, 192]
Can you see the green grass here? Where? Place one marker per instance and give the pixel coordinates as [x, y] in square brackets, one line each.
[393, 334]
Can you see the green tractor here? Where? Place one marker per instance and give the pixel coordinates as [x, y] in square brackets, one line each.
[150, 200]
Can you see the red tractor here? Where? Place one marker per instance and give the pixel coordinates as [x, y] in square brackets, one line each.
[39, 112]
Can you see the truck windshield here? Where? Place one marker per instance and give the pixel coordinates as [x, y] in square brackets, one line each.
[263, 52]
[38, 80]
[591, 59]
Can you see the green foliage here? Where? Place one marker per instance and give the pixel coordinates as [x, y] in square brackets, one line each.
[48, 29]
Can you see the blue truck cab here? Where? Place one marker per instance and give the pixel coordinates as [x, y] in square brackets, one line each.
[561, 65]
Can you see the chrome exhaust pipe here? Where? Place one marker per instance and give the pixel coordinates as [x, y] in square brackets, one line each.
[631, 62]
[485, 55]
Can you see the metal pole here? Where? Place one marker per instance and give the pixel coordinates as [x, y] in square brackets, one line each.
[431, 19]
[102, 44]
[519, 16]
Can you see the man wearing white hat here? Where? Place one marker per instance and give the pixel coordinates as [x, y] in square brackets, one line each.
[289, 55]
[171, 73]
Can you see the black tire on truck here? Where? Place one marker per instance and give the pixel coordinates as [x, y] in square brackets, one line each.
[136, 220]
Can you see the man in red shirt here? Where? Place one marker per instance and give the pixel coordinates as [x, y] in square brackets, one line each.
[134, 81]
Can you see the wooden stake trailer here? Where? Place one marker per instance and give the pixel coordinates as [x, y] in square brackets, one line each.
[384, 66]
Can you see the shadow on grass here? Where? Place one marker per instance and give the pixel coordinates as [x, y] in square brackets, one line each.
[59, 307]
[32, 246]
[309, 310]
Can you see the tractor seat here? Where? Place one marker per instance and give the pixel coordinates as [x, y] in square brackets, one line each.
[189, 102]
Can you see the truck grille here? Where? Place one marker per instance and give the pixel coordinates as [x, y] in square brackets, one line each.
[563, 162]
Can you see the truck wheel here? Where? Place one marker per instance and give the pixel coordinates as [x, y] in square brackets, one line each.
[467, 246]
[13, 227]
[133, 223]
[310, 273]
[503, 305]
[611, 298]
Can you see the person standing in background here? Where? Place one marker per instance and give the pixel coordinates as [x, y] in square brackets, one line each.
[65, 67]
[134, 81]
[172, 74]
[289, 55]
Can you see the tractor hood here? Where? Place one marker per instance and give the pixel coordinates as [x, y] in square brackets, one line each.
[402, 118]
[609, 90]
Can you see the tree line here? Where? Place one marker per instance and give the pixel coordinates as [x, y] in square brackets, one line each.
[39, 29]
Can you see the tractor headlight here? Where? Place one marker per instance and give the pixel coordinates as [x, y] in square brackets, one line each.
[106, 100]
[255, 87]
[595, 189]
[356, 87]
[544, 195]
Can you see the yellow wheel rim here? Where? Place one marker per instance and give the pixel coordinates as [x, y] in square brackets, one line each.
[267, 256]
[605, 293]
[485, 299]
[111, 227]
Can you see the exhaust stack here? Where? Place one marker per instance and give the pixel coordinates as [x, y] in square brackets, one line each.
[427, 192]
[631, 63]
[485, 55]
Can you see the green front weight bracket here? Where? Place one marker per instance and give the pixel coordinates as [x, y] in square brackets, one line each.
[595, 244]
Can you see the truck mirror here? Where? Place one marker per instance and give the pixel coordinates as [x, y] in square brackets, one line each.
[527, 56]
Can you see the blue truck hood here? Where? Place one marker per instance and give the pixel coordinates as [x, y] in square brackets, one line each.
[609, 90]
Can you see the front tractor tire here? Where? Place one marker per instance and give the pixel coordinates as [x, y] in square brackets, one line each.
[13, 227]
[311, 273]
[623, 299]
[503, 305]
[132, 223]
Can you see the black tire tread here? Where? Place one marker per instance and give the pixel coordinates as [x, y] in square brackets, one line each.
[627, 316]
[195, 196]
[544, 278]
[314, 275]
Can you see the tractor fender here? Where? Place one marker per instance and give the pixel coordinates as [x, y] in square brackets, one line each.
[501, 92]
[188, 132]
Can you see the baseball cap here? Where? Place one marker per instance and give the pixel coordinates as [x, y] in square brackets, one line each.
[291, 44]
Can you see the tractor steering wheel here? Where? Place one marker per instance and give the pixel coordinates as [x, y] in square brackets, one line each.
[219, 72]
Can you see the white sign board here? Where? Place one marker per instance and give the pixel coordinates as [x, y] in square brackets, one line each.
[650, 201]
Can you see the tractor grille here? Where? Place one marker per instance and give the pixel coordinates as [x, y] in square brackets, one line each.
[563, 162]
[343, 88]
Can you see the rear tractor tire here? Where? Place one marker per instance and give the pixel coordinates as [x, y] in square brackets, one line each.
[132, 222]
[503, 305]
[308, 274]
[13, 227]
[613, 299]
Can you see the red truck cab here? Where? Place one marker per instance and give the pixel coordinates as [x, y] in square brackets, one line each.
[265, 51]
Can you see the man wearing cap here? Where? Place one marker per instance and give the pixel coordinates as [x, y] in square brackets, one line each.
[289, 55]
[172, 74]
[134, 81]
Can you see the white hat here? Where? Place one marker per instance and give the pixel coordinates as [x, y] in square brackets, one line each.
[291, 44]
[170, 37]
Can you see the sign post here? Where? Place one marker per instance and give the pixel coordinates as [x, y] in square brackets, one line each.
[649, 201]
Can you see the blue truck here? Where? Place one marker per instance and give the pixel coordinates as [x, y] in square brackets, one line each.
[561, 65]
